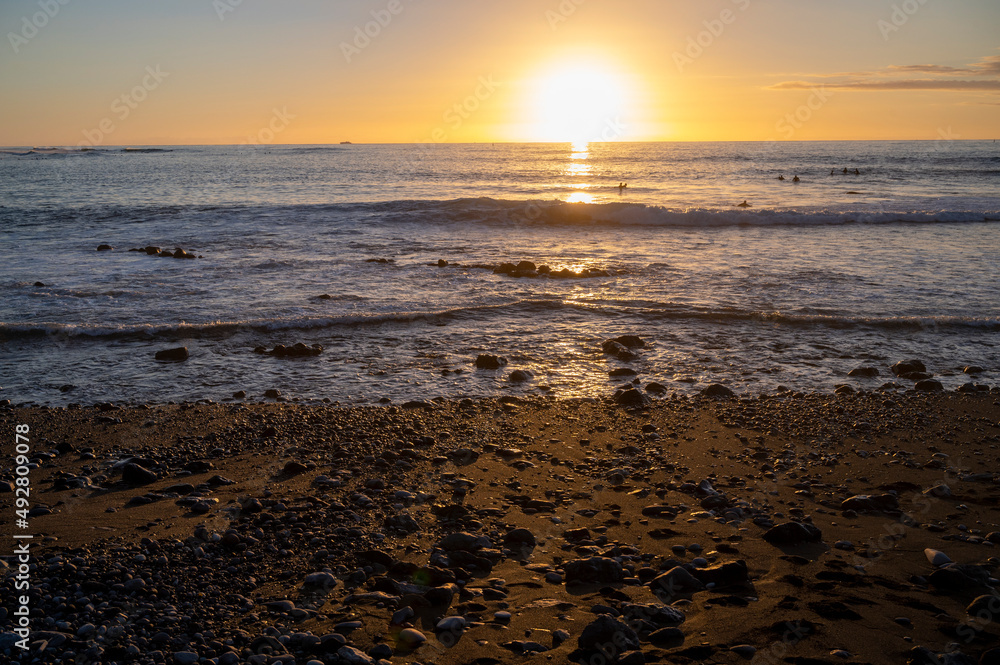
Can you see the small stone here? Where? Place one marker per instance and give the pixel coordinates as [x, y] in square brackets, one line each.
[352, 656]
[936, 557]
[666, 637]
[410, 637]
[185, 658]
[745, 651]
[452, 624]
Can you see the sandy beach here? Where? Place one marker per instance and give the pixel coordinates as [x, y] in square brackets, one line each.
[786, 528]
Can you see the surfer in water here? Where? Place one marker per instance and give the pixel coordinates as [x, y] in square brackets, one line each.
[743, 205]
[621, 186]
[781, 177]
[795, 179]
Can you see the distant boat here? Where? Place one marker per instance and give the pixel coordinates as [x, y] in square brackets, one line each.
[346, 143]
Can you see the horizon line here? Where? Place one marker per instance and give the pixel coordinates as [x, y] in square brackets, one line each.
[445, 143]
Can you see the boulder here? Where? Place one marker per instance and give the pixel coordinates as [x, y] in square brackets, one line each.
[489, 361]
[863, 372]
[677, 580]
[630, 397]
[172, 355]
[594, 570]
[908, 366]
[864, 503]
[134, 474]
[793, 533]
[605, 631]
[734, 573]
[718, 390]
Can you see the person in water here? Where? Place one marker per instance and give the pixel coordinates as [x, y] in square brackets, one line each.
[795, 179]
[857, 172]
[622, 185]
[781, 177]
[743, 205]
[845, 171]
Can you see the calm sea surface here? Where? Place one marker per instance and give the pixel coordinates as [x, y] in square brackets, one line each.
[811, 280]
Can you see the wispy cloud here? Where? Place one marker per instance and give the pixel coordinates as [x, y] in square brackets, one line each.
[898, 84]
[977, 76]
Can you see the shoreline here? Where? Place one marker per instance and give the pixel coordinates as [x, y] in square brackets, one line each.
[294, 532]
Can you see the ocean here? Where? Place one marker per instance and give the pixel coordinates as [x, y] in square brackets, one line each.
[345, 246]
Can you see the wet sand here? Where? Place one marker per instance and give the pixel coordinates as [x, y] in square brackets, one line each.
[676, 533]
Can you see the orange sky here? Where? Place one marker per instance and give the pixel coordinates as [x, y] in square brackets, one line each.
[118, 72]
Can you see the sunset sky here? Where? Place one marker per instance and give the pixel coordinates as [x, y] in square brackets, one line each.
[121, 72]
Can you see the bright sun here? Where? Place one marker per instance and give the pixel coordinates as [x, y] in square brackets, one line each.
[579, 103]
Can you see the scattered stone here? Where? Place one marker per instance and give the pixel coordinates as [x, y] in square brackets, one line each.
[937, 558]
[104, 248]
[601, 632]
[411, 638]
[172, 355]
[718, 390]
[864, 503]
[134, 474]
[594, 570]
[630, 397]
[793, 533]
[863, 372]
[928, 385]
[675, 581]
[519, 376]
[298, 350]
[489, 361]
[908, 367]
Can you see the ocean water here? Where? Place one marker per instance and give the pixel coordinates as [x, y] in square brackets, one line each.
[813, 279]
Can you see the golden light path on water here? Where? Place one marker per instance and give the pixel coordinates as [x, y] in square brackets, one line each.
[578, 167]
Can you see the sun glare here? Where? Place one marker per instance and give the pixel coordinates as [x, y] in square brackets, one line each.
[580, 103]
